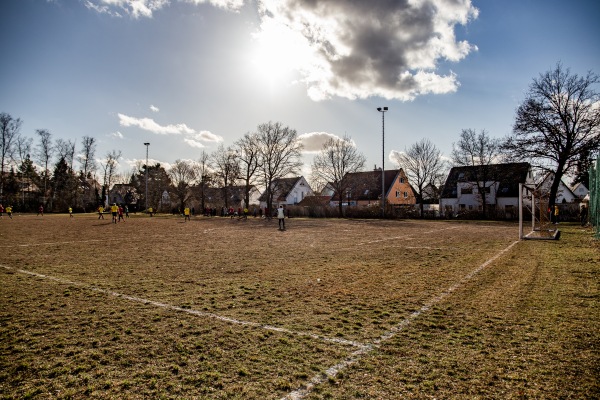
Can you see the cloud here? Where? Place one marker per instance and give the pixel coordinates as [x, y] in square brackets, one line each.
[352, 49]
[191, 136]
[116, 135]
[194, 143]
[386, 48]
[232, 5]
[208, 137]
[146, 8]
[313, 141]
[136, 164]
[154, 108]
[149, 124]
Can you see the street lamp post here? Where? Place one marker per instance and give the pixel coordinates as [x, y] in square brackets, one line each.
[382, 110]
[146, 144]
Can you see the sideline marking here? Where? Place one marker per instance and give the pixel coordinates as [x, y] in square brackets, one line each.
[190, 311]
[354, 357]
[59, 243]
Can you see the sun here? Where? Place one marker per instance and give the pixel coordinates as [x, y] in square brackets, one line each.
[279, 53]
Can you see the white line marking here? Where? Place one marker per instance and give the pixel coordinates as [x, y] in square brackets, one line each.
[59, 243]
[193, 312]
[354, 357]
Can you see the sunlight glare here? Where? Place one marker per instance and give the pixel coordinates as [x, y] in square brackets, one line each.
[279, 53]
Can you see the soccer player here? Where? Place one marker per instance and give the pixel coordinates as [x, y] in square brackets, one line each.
[186, 214]
[281, 218]
[71, 212]
[114, 209]
[9, 211]
[100, 212]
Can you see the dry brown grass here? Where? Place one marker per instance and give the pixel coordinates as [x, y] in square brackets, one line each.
[526, 326]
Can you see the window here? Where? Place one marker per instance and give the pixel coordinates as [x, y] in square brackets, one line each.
[401, 180]
[397, 194]
[470, 206]
[406, 195]
[466, 190]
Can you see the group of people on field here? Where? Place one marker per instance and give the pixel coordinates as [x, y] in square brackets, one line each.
[119, 213]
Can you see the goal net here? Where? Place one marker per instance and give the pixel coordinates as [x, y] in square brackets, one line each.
[535, 214]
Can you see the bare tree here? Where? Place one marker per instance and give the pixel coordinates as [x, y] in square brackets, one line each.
[23, 146]
[480, 151]
[337, 159]
[557, 123]
[423, 165]
[248, 156]
[86, 158]
[204, 174]
[280, 152]
[182, 174]
[9, 132]
[226, 168]
[44, 152]
[66, 151]
[109, 168]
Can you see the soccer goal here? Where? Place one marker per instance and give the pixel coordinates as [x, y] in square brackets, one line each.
[534, 205]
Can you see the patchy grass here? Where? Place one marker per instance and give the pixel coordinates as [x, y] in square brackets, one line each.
[238, 309]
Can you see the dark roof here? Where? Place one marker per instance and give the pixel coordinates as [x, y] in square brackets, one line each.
[367, 185]
[508, 175]
[309, 201]
[281, 188]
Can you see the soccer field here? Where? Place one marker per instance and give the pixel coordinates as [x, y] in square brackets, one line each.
[221, 308]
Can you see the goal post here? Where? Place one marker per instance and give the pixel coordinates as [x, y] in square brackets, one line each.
[534, 205]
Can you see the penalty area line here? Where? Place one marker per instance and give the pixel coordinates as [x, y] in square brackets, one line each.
[364, 351]
[191, 311]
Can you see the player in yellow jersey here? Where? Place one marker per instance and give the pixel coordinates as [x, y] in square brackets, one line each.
[100, 212]
[186, 214]
[114, 209]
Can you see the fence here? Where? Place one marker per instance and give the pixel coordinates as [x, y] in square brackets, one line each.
[594, 209]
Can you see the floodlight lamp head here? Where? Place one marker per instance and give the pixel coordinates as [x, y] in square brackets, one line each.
[385, 108]
[378, 108]
[146, 144]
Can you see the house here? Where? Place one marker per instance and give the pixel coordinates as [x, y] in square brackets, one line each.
[287, 191]
[580, 190]
[461, 194]
[564, 194]
[365, 189]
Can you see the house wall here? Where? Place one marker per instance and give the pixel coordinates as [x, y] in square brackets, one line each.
[298, 193]
[580, 191]
[400, 193]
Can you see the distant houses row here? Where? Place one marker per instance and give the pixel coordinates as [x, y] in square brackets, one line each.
[461, 193]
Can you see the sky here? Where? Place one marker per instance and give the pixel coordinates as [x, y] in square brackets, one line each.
[189, 75]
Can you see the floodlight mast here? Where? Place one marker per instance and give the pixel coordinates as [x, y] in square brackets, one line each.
[146, 144]
[382, 110]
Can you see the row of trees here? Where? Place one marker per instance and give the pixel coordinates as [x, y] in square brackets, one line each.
[258, 158]
[556, 129]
